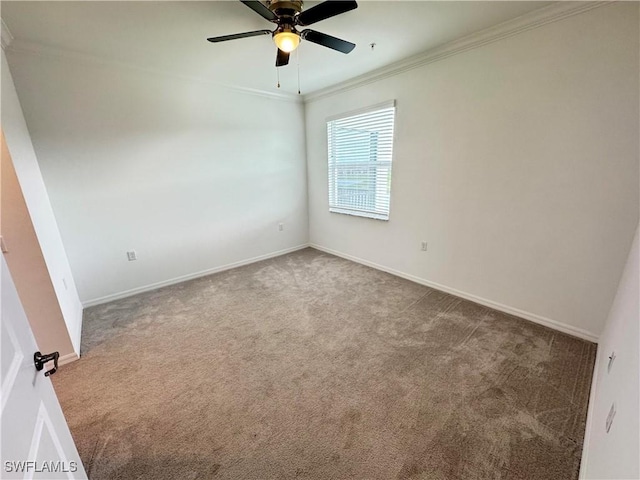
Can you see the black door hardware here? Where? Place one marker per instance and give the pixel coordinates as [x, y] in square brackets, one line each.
[40, 360]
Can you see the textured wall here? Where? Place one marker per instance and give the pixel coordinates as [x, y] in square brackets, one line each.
[27, 265]
[190, 176]
[517, 161]
[614, 455]
[40, 211]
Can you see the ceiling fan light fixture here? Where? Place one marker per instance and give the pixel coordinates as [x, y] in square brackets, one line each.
[286, 40]
[287, 15]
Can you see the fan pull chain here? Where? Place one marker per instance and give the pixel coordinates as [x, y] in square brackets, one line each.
[278, 75]
[298, 65]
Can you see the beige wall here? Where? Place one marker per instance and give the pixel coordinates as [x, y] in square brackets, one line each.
[516, 161]
[193, 178]
[614, 454]
[26, 263]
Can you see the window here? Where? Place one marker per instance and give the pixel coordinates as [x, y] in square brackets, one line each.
[360, 148]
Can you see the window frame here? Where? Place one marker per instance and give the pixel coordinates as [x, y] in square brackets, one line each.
[333, 166]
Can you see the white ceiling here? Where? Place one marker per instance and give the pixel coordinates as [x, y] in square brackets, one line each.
[171, 36]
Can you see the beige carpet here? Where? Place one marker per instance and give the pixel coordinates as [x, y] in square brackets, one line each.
[308, 366]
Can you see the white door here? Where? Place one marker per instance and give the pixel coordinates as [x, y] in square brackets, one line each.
[35, 441]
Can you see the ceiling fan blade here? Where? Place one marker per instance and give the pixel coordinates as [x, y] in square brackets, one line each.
[323, 11]
[327, 41]
[282, 58]
[260, 9]
[224, 38]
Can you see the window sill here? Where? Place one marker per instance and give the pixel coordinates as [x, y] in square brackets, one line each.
[357, 213]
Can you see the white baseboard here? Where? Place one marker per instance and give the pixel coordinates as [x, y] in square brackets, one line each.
[547, 322]
[76, 336]
[68, 358]
[589, 426]
[190, 276]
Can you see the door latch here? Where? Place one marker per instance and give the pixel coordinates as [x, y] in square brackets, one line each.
[40, 360]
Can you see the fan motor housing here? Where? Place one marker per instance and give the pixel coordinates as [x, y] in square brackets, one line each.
[285, 8]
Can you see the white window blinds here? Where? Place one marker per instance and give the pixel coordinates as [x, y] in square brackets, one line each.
[360, 149]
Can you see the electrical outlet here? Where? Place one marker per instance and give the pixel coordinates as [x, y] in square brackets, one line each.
[280, 227]
[612, 357]
[423, 246]
[612, 414]
[131, 255]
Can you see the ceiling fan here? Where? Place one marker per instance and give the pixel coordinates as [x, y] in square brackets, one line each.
[287, 14]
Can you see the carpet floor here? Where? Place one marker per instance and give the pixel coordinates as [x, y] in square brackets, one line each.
[309, 366]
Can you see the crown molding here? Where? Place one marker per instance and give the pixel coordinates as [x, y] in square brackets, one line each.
[523, 23]
[37, 49]
[6, 38]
